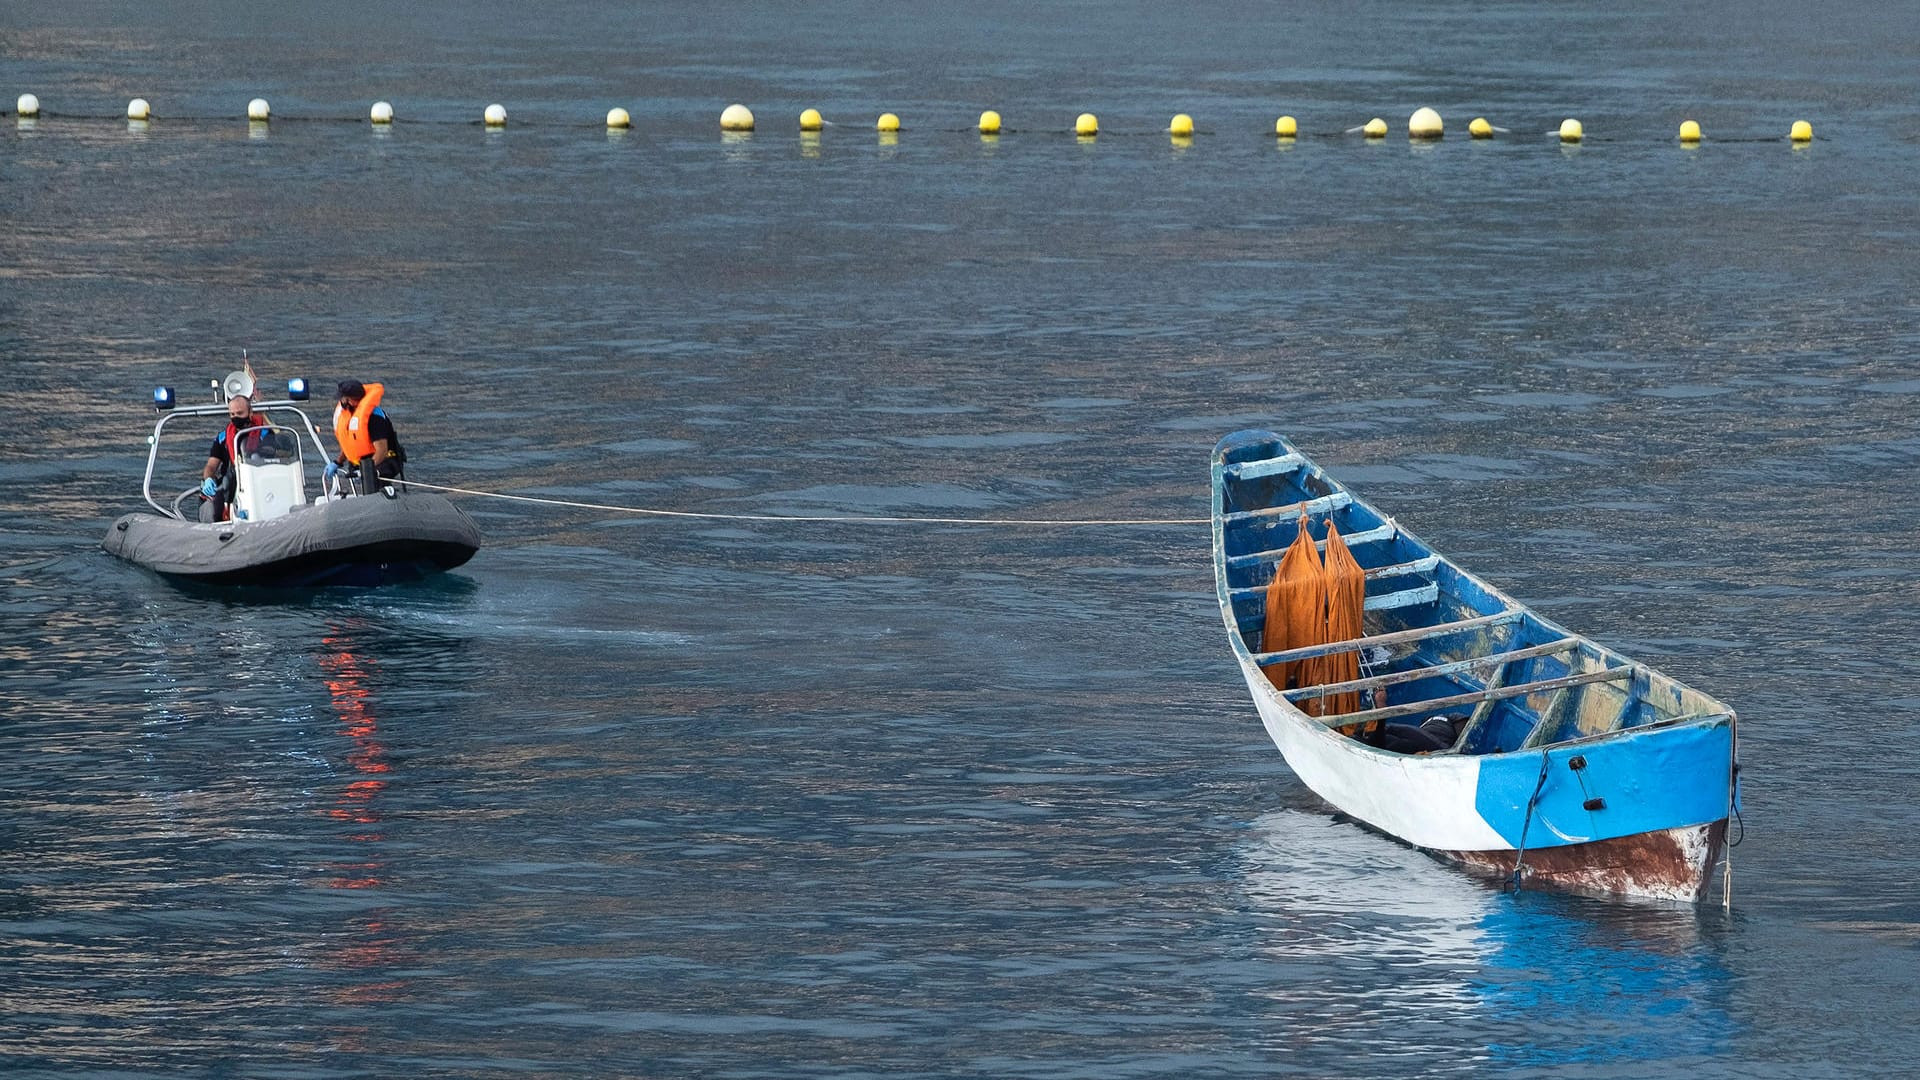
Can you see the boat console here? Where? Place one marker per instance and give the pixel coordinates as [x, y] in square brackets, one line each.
[269, 475]
[270, 470]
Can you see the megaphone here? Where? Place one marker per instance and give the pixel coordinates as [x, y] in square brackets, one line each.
[237, 384]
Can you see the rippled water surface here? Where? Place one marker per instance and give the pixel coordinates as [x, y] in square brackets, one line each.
[646, 797]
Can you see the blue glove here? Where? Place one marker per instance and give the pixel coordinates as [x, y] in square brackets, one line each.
[332, 470]
[209, 488]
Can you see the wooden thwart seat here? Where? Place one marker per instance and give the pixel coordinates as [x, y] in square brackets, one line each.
[1353, 540]
[1411, 566]
[1344, 721]
[1310, 506]
[1423, 594]
[1253, 470]
[1451, 667]
[1404, 569]
[1397, 637]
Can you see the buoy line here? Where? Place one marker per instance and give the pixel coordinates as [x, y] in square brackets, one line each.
[851, 519]
[384, 117]
[1799, 135]
[1425, 124]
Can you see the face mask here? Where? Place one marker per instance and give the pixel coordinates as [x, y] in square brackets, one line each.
[241, 421]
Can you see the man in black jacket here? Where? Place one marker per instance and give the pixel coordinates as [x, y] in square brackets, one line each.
[216, 480]
[388, 460]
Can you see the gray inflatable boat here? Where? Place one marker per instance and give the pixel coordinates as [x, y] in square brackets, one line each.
[277, 537]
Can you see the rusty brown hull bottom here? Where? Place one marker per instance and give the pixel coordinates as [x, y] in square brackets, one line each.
[1672, 864]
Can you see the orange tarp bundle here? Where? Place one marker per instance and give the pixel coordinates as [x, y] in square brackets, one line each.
[1296, 608]
[1346, 604]
[1312, 602]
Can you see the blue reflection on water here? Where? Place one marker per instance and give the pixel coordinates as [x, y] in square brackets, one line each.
[1594, 981]
[1375, 944]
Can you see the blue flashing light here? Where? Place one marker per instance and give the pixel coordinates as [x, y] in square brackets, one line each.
[297, 389]
[162, 398]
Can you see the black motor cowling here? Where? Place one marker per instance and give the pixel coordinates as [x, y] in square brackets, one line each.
[1433, 733]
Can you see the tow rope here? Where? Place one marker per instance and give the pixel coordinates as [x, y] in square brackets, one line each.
[855, 519]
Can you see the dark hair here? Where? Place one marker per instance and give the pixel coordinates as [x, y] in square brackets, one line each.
[351, 388]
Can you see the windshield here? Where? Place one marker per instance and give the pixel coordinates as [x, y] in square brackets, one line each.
[270, 446]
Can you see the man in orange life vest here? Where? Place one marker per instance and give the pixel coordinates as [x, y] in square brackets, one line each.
[365, 434]
[216, 480]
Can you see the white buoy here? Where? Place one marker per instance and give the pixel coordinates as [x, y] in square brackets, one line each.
[736, 118]
[1425, 124]
[618, 118]
[382, 113]
[1571, 130]
[496, 115]
[28, 106]
[257, 110]
[138, 109]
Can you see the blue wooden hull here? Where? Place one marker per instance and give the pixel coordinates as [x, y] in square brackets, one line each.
[1572, 765]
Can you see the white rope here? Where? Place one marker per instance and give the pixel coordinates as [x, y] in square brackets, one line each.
[851, 519]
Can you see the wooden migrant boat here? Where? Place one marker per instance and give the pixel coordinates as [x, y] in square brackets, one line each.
[1463, 722]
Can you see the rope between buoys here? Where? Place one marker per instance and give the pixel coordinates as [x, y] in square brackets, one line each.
[854, 519]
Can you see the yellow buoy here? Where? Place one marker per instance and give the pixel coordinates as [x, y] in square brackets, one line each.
[736, 118]
[1182, 125]
[1480, 128]
[382, 113]
[1425, 124]
[28, 106]
[618, 118]
[888, 122]
[1801, 131]
[138, 109]
[1689, 131]
[810, 120]
[1571, 131]
[496, 115]
[1286, 127]
[1376, 128]
[989, 123]
[1086, 124]
[257, 110]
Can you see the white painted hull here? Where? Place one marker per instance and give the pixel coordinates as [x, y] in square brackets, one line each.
[1431, 802]
[1426, 801]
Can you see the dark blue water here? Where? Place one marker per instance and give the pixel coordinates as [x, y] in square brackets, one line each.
[633, 797]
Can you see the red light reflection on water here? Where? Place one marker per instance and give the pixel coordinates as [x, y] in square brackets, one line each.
[375, 942]
[346, 677]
